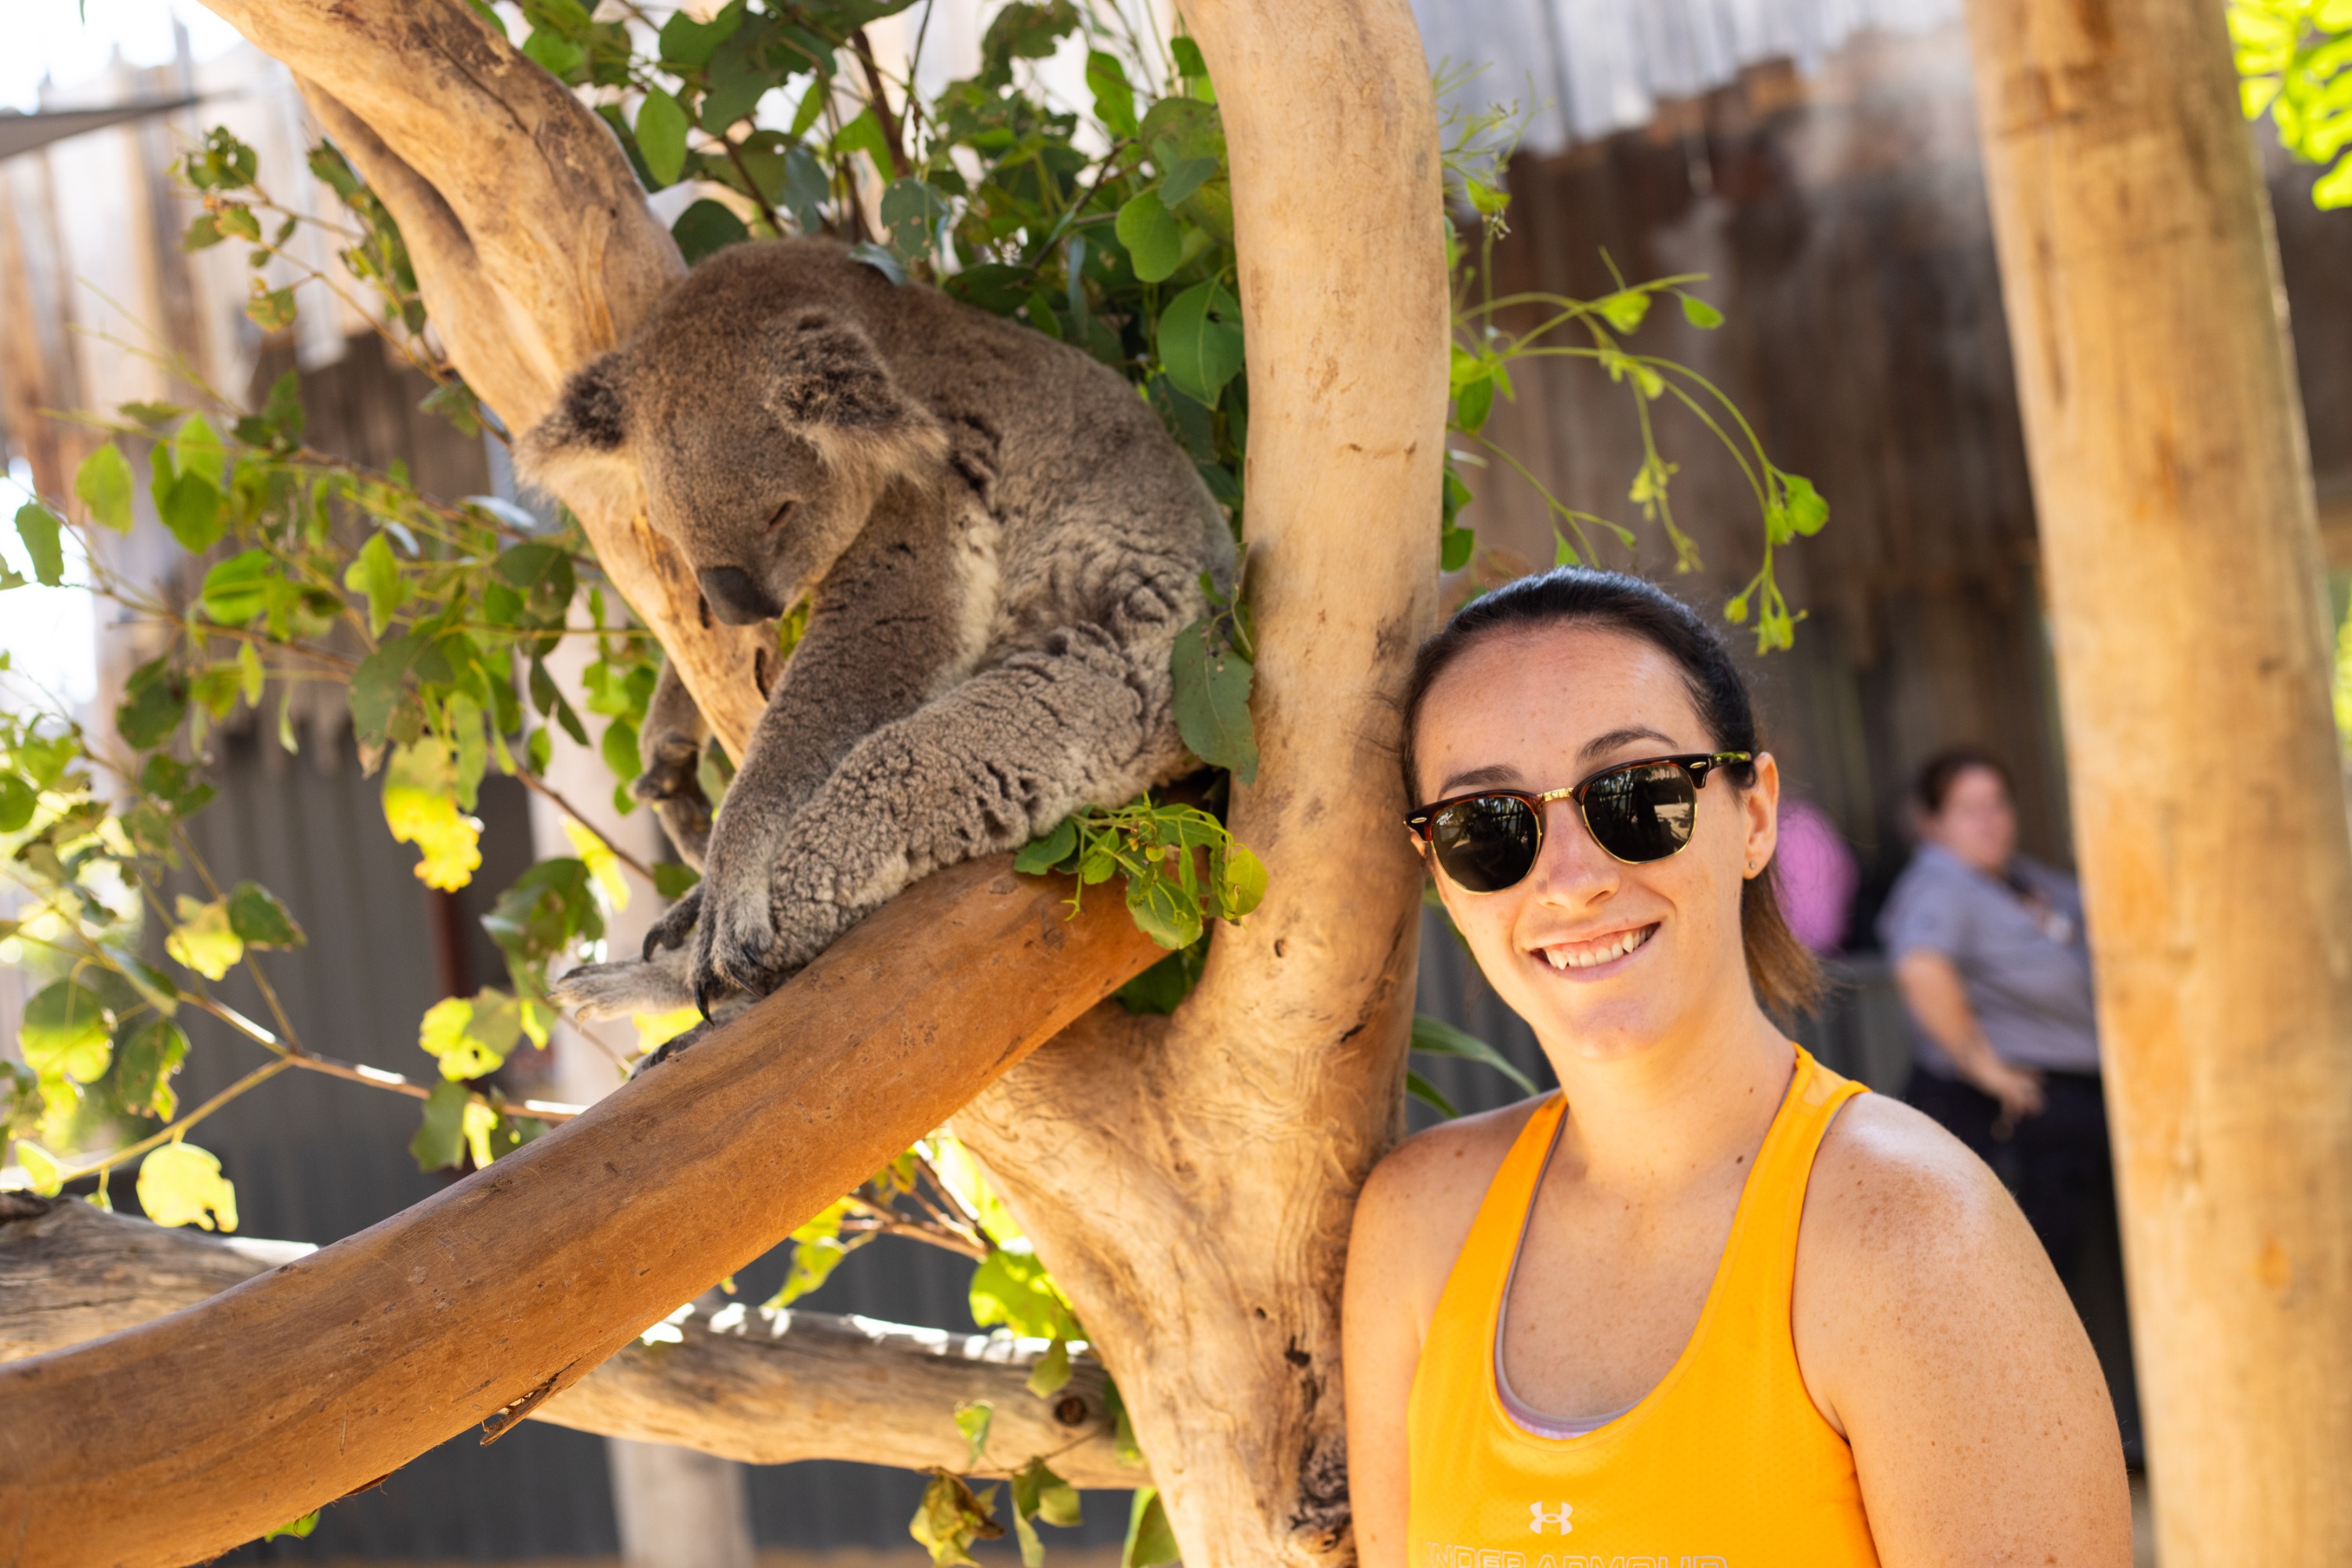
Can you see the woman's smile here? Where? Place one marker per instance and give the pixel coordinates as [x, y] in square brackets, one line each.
[1597, 956]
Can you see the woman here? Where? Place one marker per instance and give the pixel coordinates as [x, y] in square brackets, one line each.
[1621, 1324]
[1989, 953]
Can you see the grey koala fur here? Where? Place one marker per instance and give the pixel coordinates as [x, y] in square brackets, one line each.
[998, 542]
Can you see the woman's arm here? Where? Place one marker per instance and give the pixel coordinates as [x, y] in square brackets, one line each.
[1931, 987]
[1379, 1349]
[1933, 1332]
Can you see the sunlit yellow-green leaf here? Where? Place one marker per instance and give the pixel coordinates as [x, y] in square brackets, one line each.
[602, 863]
[182, 1184]
[420, 803]
[204, 940]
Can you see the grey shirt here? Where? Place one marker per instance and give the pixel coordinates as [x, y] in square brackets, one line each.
[2027, 980]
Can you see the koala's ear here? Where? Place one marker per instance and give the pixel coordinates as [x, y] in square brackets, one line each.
[829, 386]
[582, 444]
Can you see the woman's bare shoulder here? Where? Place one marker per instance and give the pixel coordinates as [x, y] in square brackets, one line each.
[1417, 1208]
[1888, 1178]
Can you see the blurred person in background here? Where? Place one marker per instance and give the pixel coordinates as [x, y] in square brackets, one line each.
[1989, 953]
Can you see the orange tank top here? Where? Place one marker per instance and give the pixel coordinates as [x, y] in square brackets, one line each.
[1725, 1464]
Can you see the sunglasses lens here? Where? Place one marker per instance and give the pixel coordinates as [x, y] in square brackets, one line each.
[1643, 812]
[1486, 844]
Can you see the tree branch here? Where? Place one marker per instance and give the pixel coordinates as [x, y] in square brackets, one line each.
[481, 1303]
[767, 1389]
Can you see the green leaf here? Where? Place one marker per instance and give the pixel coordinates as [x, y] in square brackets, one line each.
[382, 678]
[952, 1517]
[296, 1528]
[1180, 176]
[203, 233]
[63, 1033]
[1200, 340]
[440, 1141]
[1624, 309]
[1011, 1287]
[1237, 881]
[1699, 313]
[237, 589]
[203, 940]
[551, 49]
[1472, 403]
[18, 801]
[705, 227]
[1052, 1372]
[661, 134]
[37, 526]
[271, 309]
[1154, 240]
[236, 220]
[1440, 1038]
[972, 1420]
[690, 43]
[151, 1054]
[47, 1171]
[155, 700]
[805, 187]
[182, 1184]
[1422, 1089]
[1150, 1542]
[864, 134]
[911, 210]
[1162, 909]
[1114, 96]
[672, 880]
[103, 484]
[1213, 689]
[189, 505]
[375, 572]
[260, 920]
[1454, 548]
[1040, 856]
[1806, 509]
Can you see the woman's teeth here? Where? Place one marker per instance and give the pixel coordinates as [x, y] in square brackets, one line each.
[1586, 958]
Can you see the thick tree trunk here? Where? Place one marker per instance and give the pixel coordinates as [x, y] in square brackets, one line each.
[477, 1305]
[2184, 573]
[767, 1389]
[1191, 1181]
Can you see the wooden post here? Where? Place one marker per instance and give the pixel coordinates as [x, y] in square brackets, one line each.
[2174, 488]
[173, 1442]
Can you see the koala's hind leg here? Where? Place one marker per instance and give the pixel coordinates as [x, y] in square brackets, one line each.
[985, 767]
[671, 749]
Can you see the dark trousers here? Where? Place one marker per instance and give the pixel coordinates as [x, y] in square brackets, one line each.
[2055, 1163]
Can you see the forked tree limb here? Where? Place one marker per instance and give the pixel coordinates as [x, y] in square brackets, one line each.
[326, 1374]
[1208, 1267]
[764, 1388]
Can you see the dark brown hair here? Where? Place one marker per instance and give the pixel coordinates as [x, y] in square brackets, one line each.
[1787, 977]
[1939, 773]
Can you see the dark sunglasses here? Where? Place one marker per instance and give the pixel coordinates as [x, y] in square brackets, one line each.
[1638, 812]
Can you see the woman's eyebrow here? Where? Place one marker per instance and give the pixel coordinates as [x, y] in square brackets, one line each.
[1477, 778]
[1601, 746]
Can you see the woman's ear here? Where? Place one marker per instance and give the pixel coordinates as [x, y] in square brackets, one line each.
[1760, 806]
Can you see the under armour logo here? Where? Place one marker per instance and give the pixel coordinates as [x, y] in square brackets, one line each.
[1540, 1517]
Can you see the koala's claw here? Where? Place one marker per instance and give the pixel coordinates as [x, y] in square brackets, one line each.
[676, 925]
[672, 1047]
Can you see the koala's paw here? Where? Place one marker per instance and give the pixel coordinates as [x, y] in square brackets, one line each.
[676, 925]
[595, 991]
[672, 785]
[735, 941]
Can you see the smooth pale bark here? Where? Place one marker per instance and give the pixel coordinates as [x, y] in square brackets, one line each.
[330, 1372]
[1191, 1181]
[764, 1388]
[2174, 491]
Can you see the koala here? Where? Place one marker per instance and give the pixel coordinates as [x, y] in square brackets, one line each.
[997, 543]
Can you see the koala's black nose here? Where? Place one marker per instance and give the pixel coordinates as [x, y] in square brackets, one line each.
[736, 598]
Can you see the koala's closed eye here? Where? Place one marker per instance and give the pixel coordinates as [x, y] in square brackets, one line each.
[784, 515]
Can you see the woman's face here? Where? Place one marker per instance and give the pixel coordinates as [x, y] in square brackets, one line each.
[1978, 822]
[1602, 958]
